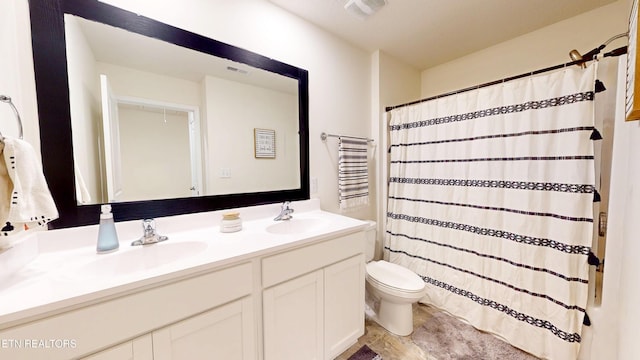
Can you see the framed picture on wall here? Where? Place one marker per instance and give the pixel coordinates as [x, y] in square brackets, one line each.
[265, 143]
[632, 98]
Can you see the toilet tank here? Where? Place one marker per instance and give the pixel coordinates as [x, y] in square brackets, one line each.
[370, 233]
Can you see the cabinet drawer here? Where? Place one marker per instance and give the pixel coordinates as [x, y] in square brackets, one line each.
[293, 263]
[105, 324]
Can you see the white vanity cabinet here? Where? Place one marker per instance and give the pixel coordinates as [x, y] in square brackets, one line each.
[226, 332]
[137, 349]
[161, 320]
[344, 283]
[313, 302]
[297, 300]
[293, 319]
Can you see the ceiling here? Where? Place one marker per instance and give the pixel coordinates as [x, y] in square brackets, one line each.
[124, 48]
[425, 33]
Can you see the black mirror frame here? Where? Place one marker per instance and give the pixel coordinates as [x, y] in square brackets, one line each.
[52, 87]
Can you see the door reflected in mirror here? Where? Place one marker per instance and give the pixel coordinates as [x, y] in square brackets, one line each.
[152, 120]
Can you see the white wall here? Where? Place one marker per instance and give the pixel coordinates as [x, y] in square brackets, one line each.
[538, 49]
[86, 117]
[621, 293]
[613, 333]
[234, 108]
[628, 210]
[16, 71]
[147, 85]
[158, 166]
[393, 82]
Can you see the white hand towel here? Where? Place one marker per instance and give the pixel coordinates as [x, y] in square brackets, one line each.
[353, 173]
[30, 202]
[6, 186]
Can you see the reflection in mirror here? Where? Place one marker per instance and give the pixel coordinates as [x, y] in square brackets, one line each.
[170, 137]
[152, 120]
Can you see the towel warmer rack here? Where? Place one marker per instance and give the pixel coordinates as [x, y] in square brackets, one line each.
[7, 100]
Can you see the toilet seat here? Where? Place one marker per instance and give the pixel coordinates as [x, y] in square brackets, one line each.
[394, 277]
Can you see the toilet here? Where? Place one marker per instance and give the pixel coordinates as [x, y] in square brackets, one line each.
[394, 289]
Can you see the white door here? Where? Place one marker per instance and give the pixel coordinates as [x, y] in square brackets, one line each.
[111, 141]
[159, 141]
[195, 149]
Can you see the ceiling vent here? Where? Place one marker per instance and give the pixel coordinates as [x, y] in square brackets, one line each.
[237, 70]
[364, 8]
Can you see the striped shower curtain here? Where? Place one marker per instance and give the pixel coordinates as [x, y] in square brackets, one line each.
[490, 202]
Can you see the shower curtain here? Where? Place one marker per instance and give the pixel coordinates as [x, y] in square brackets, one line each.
[490, 202]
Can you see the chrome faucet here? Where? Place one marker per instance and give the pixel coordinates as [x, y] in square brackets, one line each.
[285, 212]
[149, 236]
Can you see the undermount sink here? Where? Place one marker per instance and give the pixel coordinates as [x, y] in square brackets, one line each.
[296, 226]
[141, 258]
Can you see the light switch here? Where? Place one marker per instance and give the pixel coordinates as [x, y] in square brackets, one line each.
[225, 173]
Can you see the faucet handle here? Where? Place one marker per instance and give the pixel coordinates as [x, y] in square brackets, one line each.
[149, 236]
[285, 212]
[149, 227]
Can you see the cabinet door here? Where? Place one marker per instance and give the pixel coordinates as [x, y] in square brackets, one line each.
[344, 284]
[226, 332]
[293, 319]
[137, 349]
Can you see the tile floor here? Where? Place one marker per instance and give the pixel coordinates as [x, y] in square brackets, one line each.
[388, 345]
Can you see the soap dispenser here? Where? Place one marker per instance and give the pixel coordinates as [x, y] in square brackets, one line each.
[107, 236]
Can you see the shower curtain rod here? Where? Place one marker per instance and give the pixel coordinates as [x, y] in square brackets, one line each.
[616, 52]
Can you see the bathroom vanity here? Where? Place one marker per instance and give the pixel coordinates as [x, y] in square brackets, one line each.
[275, 290]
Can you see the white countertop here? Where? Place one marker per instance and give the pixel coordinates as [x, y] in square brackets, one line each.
[62, 268]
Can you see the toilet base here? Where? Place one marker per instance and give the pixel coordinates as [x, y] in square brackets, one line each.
[397, 289]
[396, 318]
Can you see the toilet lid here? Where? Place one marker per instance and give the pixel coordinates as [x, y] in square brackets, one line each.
[394, 275]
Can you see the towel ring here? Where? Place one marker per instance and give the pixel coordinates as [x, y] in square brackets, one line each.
[7, 100]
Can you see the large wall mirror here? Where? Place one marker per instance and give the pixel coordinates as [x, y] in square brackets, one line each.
[160, 121]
